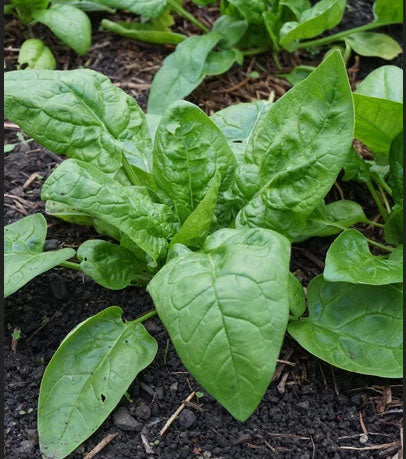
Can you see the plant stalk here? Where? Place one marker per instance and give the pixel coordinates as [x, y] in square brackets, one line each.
[385, 199]
[381, 246]
[378, 225]
[70, 265]
[253, 52]
[145, 317]
[337, 36]
[377, 200]
[187, 15]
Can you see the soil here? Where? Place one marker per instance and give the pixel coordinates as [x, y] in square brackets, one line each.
[310, 410]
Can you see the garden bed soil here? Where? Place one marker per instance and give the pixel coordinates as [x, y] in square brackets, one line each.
[310, 410]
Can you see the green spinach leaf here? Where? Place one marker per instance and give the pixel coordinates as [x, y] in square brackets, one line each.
[354, 327]
[35, 55]
[92, 368]
[24, 256]
[226, 309]
[374, 44]
[349, 260]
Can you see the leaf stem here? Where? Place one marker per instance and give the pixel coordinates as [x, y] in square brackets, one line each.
[70, 265]
[385, 199]
[371, 222]
[377, 200]
[145, 317]
[381, 246]
[253, 52]
[129, 170]
[187, 15]
[337, 36]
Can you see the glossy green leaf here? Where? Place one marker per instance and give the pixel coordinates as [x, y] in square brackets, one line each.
[31, 4]
[379, 109]
[388, 12]
[189, 149]
[237, 121]
[396, 168]
[393, 229]
[297, 150]
[322, 16]
[354, 327]
[147, 8]
[385, 82]
[79, 113]
[298, 74]
[296, 6]
[226, 310]
[196, 227]
[35, 55]
[232, 30]
[86, 5]
[349, 260]
[71, 25]
[297, 302]
[86, 378]
[330, 219]
[129, 209]
[110, 265]
[181, 72]
[142, 32]
[24, 256]
[219, 62]
[374, 44]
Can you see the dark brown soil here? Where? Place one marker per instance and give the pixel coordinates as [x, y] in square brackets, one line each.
[310, 410]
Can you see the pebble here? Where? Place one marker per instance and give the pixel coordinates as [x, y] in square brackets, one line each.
[186, 419]
[51, 244]
[123, 420]
[303, 405]
[143, 411]
[32, 435]
[26, 446]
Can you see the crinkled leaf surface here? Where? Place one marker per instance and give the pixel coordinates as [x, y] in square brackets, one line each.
[79, 113]
[226, 310]
[110, 265]
[329, 219]
[297, 150]
[129, 209]
[143, 32]
[349, 260]
[354, 327]
[86, 378]
[374, 44]
[396, 168]
[189, 149]
[35, 55]
[24, 258]
[181, 72]
[71, 25]
[297, 302]
[324, 15]
[196, 227]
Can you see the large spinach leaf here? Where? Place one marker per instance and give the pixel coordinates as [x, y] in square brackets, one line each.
[297, 150]
[81, 114]
[86, 378]
[354, 327]
[226, 310]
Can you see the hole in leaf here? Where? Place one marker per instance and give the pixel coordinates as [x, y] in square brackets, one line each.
[103, 397]
[24, 66]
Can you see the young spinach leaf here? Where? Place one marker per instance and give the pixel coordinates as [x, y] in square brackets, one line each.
[349, 260]
[354, 327]
[71, 25]
[81, 114]
[297, 302]
[35, 55]
[24, 256]
[374, 44]
[396, 168]
[93, 367]
[217, 303]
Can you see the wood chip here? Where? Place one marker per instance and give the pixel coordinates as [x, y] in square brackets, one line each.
[175, 414]
[373, 447]
[96, 450]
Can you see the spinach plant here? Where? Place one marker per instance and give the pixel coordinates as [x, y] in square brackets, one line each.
[203, 213]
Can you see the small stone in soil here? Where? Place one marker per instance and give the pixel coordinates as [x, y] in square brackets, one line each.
[123, 420]
[143, 411]
[186, 419]
[26, 446]
[51, 244]
[32, 435]
[303, 405]
[58, 287]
